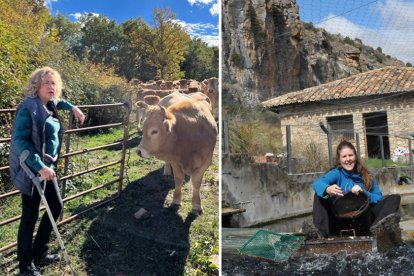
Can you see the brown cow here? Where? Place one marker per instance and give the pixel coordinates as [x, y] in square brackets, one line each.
[211, 89]
[146, 92]
[177, 96]
[142, 107]
[183, 134]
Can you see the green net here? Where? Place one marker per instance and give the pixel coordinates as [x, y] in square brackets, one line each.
[270, 245]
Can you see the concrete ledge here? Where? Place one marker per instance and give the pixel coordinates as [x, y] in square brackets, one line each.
[407, 232]
[231, 211]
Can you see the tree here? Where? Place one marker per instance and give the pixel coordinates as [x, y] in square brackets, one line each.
[67, 32]
[201, 61]
[166, 44]
[102, 39]
[134, 58]
[21, 26]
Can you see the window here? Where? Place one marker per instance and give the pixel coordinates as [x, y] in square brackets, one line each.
[342, 126]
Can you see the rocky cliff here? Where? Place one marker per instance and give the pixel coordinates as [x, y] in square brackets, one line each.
[268, 51]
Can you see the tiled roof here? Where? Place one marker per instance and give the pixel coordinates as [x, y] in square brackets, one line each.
[376, 82]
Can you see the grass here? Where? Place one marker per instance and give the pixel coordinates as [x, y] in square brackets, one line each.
[108, 240]
[377, 163]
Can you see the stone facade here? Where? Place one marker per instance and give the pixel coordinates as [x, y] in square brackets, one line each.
[304, 121]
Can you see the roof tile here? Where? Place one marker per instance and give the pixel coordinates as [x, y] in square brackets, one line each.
[386, 80]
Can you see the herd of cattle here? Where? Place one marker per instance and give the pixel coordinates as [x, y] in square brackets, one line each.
[179, 127]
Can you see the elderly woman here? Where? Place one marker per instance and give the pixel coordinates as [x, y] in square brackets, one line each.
[38, 129]
[350, 176]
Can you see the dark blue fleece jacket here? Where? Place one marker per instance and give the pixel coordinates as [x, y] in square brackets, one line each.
[346, 180]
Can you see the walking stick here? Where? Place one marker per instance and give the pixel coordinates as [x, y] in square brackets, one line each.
[37, 181]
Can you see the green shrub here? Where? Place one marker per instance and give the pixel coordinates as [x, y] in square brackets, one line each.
[349, 41]
[310, 157]
[237, 59]
[254, 137]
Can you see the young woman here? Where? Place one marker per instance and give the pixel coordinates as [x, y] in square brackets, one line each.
[349, 175]
[37, 128]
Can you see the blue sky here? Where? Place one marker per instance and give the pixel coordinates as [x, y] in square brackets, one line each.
[379, 23]
[199, 17]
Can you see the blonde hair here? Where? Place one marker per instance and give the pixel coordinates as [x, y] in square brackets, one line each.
[38, 76]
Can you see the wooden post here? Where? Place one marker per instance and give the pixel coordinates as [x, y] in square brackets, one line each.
[329, 136]
[124, 142]
[410, 151]
[289, 149]
[330, 149]
[66, 168]
[382, 150]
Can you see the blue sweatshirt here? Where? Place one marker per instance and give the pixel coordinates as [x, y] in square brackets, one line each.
[22, 136]
[346, 180]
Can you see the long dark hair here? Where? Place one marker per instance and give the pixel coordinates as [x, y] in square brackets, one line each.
[367, 178]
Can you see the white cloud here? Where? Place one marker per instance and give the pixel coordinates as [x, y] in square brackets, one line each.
[341, 25]
[397, 13]
[200, 2]
[207, 32]
[215, 9]
[215, 6]
[393, 32]
[211, 40]
[48, 3]
[77, 15]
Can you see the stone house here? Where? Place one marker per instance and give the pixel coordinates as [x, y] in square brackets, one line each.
[374, 104]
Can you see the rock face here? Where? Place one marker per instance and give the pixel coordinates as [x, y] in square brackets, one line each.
[268, 51]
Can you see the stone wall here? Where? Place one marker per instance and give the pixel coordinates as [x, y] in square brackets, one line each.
[268, 193]
[264, 190]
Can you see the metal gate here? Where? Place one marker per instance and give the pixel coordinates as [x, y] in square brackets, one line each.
[126, 107]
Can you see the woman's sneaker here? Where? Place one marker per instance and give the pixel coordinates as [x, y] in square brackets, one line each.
[48, 259]
[31, 270]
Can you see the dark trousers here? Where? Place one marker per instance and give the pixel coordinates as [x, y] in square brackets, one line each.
[329, 225]
[26, 250]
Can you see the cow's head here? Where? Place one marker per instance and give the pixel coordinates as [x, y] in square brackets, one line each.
[157, 132]
[212, 91]
[142, 107]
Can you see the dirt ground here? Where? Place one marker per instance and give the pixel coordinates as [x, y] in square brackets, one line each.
[111, 241]
[120, 244]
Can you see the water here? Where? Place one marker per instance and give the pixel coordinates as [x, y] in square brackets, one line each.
[398, 261]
